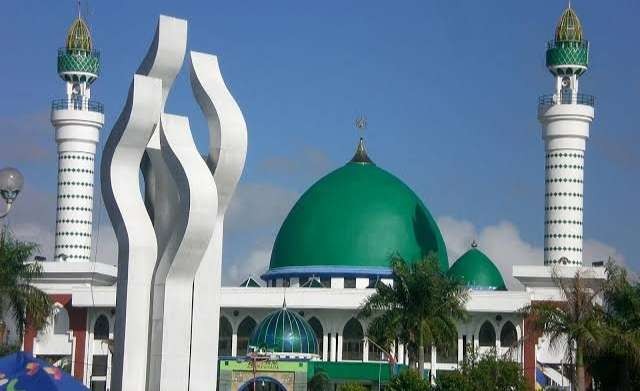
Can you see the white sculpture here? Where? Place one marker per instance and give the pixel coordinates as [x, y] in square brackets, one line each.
[181, 227]
[227, 152]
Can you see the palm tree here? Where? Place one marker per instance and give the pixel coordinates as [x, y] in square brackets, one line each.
[421, 308]
[17, 296]
[574, 322]
[618, 363]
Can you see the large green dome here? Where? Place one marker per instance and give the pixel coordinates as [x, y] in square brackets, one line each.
[284, 332]
[353, 221]
[477, 271]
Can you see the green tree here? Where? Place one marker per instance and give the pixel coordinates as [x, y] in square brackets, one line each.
[18, 297]
[421, 308]
[488, 372]
[319, 382]
[352, 387]
[409, 380]
[574, 323]
[616, 366]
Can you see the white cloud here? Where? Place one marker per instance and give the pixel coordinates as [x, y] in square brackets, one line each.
[504, 245]
[252, 265]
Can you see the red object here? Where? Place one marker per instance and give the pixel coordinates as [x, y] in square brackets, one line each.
[78, 326]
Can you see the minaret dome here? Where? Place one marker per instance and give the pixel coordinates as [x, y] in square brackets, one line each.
[78, 62]
[568, 52]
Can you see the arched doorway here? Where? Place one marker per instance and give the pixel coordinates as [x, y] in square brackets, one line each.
[245, 329]
[352, 341]
[263, 383]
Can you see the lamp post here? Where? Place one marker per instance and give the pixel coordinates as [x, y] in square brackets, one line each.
[11, 182]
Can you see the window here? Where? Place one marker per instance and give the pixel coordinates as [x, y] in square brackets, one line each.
[326, 282]
[317, 328]
[226, 333]
[101, 328]
[286, 282]
[487, 336]
[352, 340]
[350, 283]
[373, 282]
[60, 320]
[508, 336]
[304, 281]
[244, 334]
[98, 385]
[448, 355]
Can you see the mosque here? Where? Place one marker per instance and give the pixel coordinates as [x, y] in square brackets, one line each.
[332, 249]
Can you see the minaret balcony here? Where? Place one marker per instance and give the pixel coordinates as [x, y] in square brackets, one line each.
[567, 53]
[78, 65]
[566, 98]
[77, 105]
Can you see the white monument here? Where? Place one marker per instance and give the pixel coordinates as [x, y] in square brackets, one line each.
[170, 239]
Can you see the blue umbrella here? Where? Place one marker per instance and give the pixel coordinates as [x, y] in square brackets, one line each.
[22, 372]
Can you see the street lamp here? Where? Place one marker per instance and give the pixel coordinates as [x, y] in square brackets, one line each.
[11, 182]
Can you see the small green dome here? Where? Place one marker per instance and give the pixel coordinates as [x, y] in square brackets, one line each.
[355, 218]
[569, 28]
[284, 333]
[477, 271]
[79, 37]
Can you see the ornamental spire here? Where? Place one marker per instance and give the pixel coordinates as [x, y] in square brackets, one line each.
[361, 155]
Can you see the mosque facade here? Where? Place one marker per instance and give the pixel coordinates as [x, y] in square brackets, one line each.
[301, 316]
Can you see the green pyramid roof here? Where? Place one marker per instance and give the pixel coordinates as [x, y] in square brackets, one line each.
[477, 271]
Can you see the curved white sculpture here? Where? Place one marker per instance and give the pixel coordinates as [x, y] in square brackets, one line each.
[168, 314]
[227, 152]
[137, 247]
[198, 201]
[163, 61]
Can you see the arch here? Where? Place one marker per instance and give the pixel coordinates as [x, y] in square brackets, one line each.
[319, 331]
[101, 328]
[225, 337]
[270, 384]
[487, 334]
[508, 335]
[245, 329]
[352, 340]
[60, 320]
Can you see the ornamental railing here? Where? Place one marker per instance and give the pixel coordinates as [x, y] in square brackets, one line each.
[553, 44]
[566, 98]
[77, 104]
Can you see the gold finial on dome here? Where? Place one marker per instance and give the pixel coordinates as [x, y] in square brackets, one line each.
[79, 35]
[569, 28]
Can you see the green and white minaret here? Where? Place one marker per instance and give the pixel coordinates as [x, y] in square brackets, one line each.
[77, 120]
[565, 116]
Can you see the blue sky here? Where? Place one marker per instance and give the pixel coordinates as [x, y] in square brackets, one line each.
[449, 87]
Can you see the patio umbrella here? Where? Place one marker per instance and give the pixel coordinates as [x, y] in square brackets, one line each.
[22, 372]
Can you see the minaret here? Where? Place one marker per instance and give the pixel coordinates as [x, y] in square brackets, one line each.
[77, 120]
[565, 117]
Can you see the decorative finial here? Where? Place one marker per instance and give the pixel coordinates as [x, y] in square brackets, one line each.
[361, 124]
[79, 10]
[474, 244]
[284, 303]
[361, 153]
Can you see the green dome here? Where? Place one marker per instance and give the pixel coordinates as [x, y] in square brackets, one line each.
[355, 219]
[286, 333]
[477, 271]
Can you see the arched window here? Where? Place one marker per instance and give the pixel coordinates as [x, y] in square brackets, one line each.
[244, 334]
[487, 335]
[508, 336]
[226, 333]
[60, 320]
[317, 328]
[352, 340]
[101, 328]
